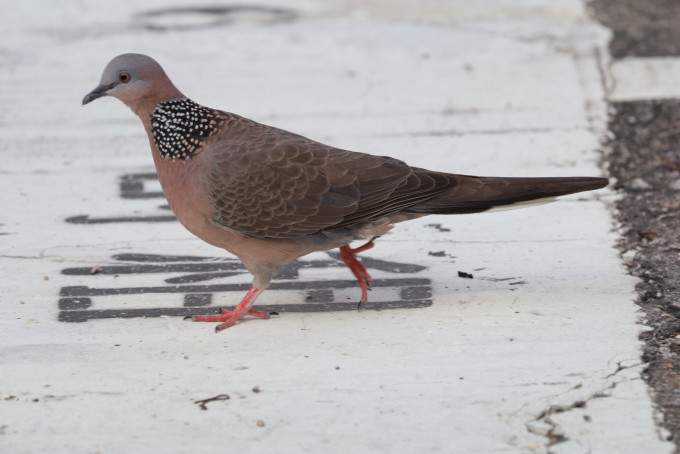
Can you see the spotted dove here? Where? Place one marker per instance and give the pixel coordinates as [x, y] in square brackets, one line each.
[270, 196]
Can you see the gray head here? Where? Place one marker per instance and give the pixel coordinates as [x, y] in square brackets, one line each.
[137, 80]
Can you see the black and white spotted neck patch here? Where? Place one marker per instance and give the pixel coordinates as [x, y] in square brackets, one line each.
[180, 127]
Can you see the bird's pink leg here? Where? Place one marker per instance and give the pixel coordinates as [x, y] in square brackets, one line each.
[348, 255]
[229, 317]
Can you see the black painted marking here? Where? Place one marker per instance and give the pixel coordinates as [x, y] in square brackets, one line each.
[69, 304]
[131, 257]
[85, 219]
[84, 291]
[185, 17]
[189, 278]
[413, 293]
[132, 186]
[77, 302]
[320, 296]
[197, 299]
[438, 227]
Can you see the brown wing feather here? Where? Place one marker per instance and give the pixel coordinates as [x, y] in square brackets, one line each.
[267, 182]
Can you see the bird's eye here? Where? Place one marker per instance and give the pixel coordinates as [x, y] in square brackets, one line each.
[124, 77]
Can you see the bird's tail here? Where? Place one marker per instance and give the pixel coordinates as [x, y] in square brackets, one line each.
[479, 194]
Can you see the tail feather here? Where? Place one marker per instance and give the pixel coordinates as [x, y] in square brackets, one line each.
[479, 194]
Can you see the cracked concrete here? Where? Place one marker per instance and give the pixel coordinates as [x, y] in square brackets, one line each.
[562, 422]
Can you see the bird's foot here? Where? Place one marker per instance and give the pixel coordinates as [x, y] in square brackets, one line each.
[227, 314]
[348, 255]
[230, 317]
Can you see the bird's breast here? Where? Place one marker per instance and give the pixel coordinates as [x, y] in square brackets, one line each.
[186, 192]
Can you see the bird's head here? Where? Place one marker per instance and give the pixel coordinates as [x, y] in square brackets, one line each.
[137, 80]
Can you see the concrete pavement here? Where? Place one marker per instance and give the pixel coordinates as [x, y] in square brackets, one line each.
[537, 353]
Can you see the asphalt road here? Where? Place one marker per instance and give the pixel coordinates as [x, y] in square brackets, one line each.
[643, 155]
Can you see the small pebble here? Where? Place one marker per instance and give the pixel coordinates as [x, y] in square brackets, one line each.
[628, 256]
[675, 185]
[639, 184]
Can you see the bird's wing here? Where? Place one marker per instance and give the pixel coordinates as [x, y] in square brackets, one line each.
[275, 184]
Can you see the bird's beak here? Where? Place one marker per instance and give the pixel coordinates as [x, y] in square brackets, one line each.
[97, 93]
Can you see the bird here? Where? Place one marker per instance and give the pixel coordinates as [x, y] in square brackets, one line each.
[269, 196]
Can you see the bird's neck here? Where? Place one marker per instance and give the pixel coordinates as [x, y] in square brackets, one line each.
[179, 128]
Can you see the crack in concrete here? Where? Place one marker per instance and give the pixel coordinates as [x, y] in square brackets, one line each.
[544, 425]
[554, 433]
[620, 368]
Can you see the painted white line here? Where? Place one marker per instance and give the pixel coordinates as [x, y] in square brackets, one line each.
[636, 79]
